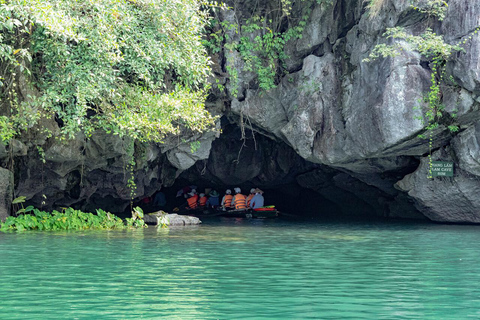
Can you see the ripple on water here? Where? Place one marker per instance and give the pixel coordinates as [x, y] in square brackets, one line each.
[244, 270]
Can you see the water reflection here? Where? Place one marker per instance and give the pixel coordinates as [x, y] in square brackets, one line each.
[244, 269]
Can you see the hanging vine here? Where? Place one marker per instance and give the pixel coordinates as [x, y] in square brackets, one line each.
[262, 40]
[433, 48]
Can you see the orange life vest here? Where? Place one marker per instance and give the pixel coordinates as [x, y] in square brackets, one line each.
[228, 201]
[192, 202]
[240, 202]
[249, 198]
[202, 202]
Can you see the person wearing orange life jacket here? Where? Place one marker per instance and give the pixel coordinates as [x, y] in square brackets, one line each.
[250, 196]
[192, 201]
[202, 202]
[239, 201]
[227, 199]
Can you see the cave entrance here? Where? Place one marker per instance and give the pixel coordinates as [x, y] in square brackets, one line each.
[295, 186]
[290, 199]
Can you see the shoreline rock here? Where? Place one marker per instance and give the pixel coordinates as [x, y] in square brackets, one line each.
[172, 219]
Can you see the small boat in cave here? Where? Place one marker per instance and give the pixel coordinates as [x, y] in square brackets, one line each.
[259, 213]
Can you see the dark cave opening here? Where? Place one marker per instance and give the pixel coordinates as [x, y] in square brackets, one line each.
[295, 186]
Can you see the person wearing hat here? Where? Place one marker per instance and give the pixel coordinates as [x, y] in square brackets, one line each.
[213, 200]
[227, 199]
[192, 201]
[239, 200]
[257, 200]
[250, 196]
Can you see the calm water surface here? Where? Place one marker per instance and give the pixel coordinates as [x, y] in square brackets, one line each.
[240, 269]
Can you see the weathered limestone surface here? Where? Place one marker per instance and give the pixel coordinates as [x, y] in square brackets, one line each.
[343, 127]
[256, 160]
[92, 173]
[6, 193]
[173, 219]
[340, 111]
[450, 199]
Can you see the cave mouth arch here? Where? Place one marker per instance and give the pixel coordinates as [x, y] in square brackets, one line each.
[295, 186]
[291, 200]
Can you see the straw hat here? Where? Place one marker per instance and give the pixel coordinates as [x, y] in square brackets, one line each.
[258, 190]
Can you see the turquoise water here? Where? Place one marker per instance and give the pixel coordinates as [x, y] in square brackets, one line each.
[240, 269]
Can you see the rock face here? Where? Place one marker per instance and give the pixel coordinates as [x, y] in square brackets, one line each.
[256, 160]
[450, 199]
[345, 128]
[6, 193]
[362, 117]
[172, 219]
[92, 173]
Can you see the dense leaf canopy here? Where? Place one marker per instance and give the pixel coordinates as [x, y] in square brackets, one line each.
[131, 67]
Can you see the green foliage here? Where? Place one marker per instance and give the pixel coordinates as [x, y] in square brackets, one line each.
[19, 201]
[130, 166]
[68, 219]
[137, 218]
[431, 8]
[194, 146]
[134, 68]
[428, 44]
[41, 153]
[7, 130]
[435, 8]
[162, 220]
[261, 43]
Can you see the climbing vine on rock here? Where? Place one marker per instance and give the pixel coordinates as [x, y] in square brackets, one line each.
[434, 49]
[261, 41]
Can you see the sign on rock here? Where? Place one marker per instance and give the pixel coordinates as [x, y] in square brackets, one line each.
[441, 168]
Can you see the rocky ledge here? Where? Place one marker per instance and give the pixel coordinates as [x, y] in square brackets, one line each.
[172, 219]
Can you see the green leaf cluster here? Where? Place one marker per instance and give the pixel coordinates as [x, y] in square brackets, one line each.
[261, 44]
[132, 67]
[431, 8]
[428, 44]
[68, 219]
[435, 8]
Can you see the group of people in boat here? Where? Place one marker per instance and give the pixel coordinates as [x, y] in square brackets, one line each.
[230, 201]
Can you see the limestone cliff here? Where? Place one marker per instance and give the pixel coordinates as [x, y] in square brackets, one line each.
[362, 117]
[345, 128]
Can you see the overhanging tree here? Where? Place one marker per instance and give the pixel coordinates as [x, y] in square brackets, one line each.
[134, 68]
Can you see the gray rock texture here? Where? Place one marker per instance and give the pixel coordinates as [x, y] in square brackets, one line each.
[364, 118]
[346, 128]
[92, 173]
[173, 219]
[6, 193]
[450, 199]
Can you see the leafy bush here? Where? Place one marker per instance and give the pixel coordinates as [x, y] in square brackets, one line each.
[69, 219]
[134, 68]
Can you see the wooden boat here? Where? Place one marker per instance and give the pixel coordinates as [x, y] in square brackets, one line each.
[260, 213]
